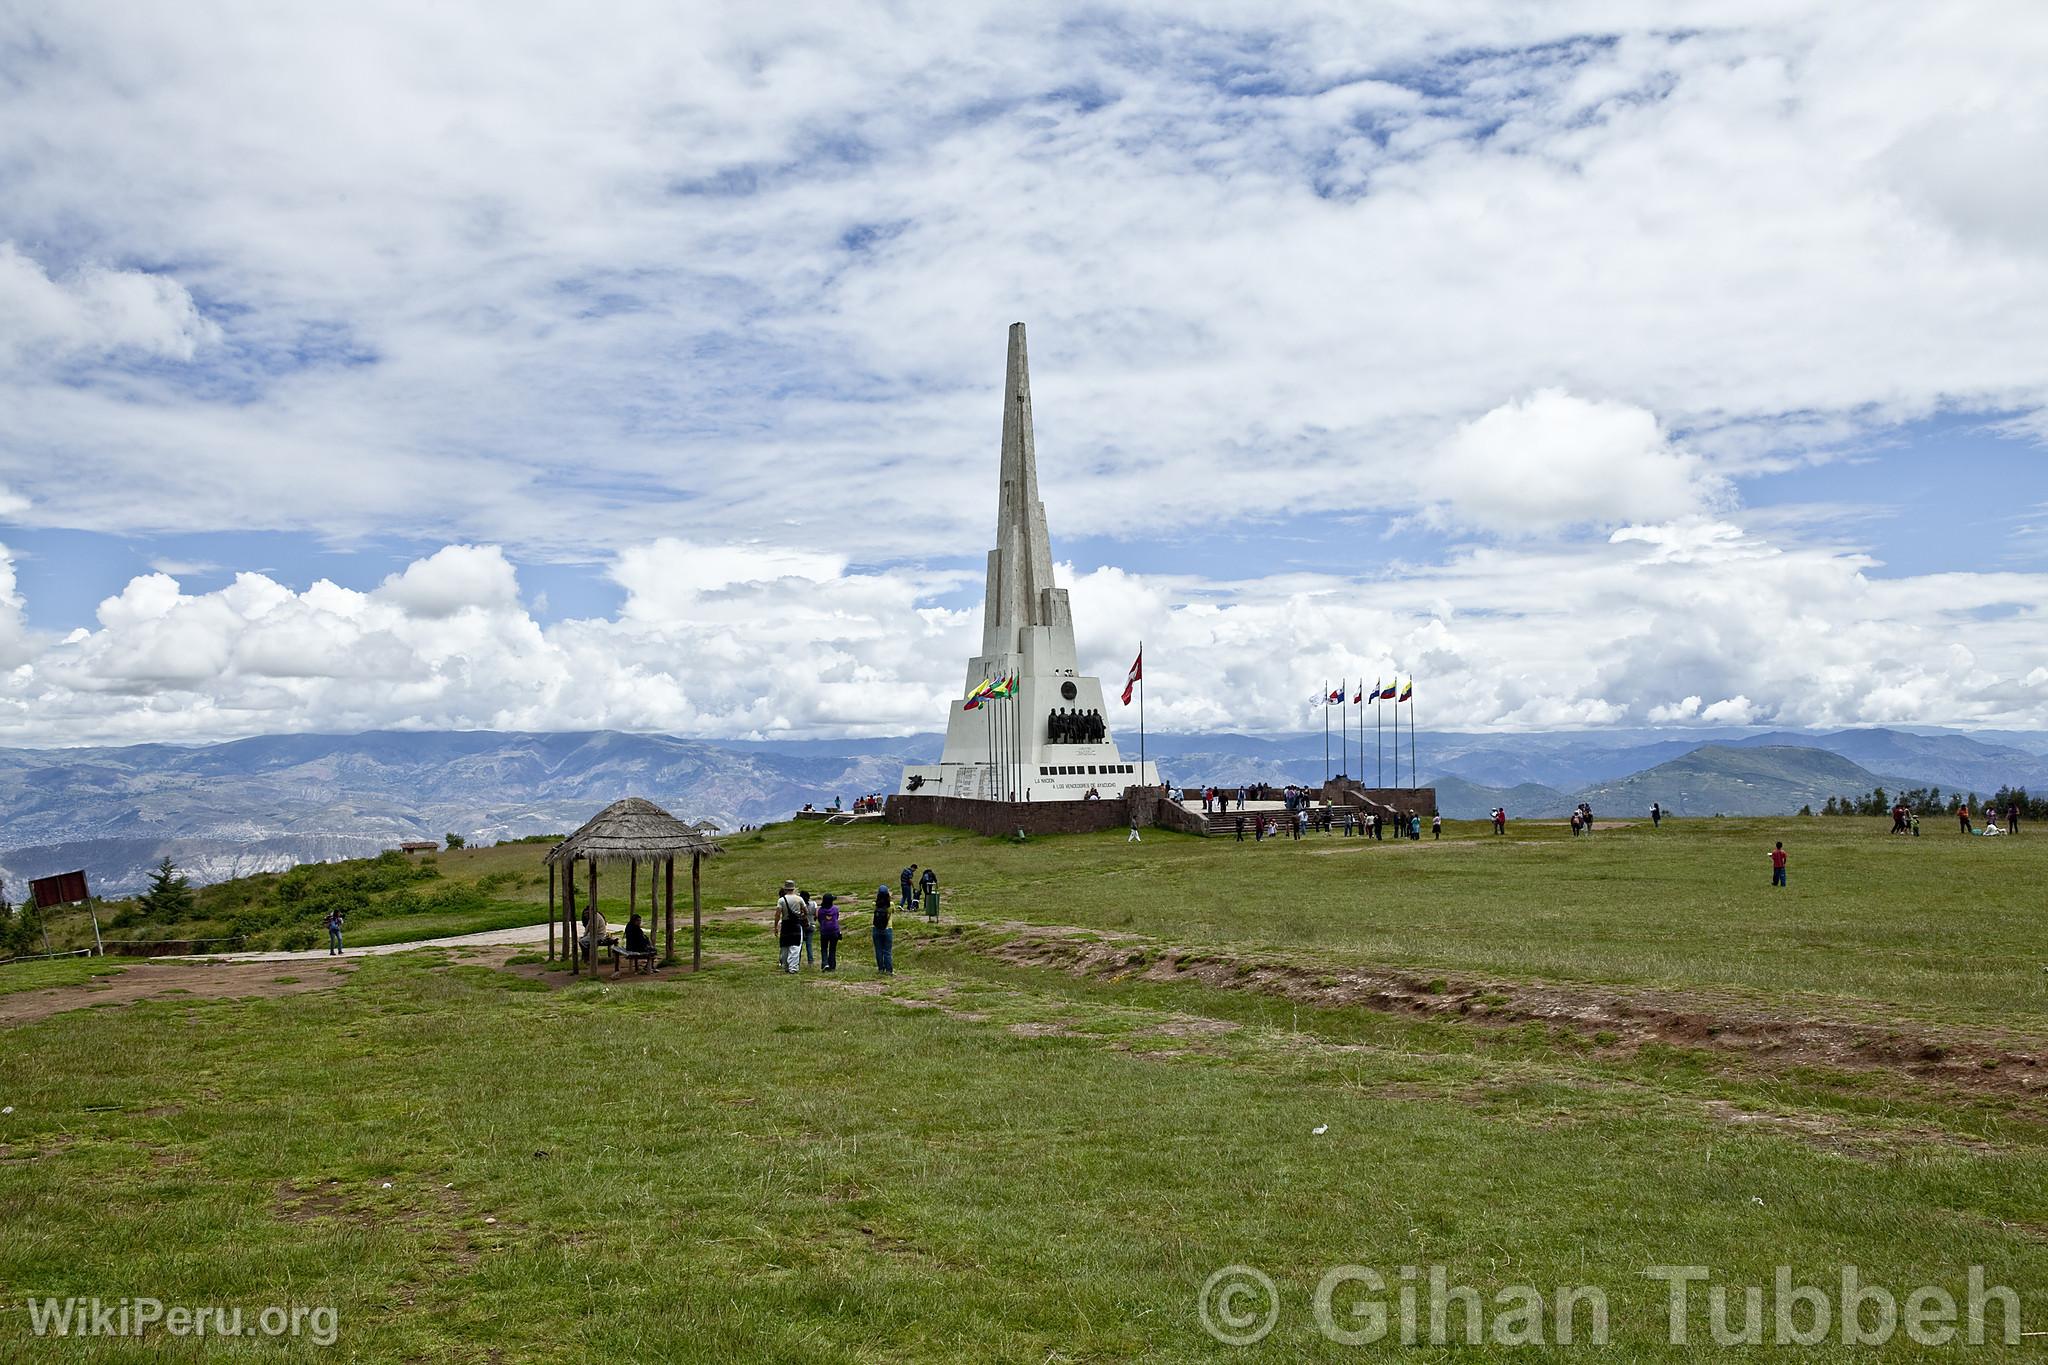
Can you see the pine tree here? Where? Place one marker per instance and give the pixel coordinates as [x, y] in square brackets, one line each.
[169, 897]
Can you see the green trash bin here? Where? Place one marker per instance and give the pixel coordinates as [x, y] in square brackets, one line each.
[931, 905]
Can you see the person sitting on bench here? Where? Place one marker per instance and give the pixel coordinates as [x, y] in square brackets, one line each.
[639, 947]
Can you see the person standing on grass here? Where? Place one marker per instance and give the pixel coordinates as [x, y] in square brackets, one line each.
[1656, 815]
[1240, 827]
[1134, 839]
[1415, 829]
[1963, 817]
[828, 931]
[334, 923]
[928, 884]
[885, 937]
[1436, 825]
[789, 927]
[2012, 817]
[810, 929]
[1778, 864]
[909, 879]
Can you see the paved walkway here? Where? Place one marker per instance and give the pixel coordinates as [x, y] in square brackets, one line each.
[490, 938]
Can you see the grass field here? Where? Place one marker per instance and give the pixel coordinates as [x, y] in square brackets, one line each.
[1095, 1083]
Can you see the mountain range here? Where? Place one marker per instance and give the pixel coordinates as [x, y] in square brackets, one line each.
[266, 803]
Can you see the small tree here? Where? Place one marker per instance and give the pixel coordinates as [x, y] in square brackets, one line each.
[1806, 809]
[1833, 807]
[169, 897]
[455, 841]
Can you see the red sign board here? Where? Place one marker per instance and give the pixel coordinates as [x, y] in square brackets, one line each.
[66, 888]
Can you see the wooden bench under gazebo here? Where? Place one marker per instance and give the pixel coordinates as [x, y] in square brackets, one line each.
[631, 831]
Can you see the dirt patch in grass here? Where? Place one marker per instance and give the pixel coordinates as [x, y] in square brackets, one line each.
[158, 980]
[1831, 1134]
[1977, 1062]
[437, 1210]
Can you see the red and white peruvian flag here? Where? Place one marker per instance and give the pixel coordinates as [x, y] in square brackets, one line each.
[1137, 672]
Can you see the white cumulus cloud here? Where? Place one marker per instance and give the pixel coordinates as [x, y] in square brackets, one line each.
[96, 309]
[1553, 460]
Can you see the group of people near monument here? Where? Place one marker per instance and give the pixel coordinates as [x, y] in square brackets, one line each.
[1328, 820]
[1065, 726]
[808, 932]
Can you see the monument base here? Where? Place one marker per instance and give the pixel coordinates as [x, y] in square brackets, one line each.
[1048, 782]
[1001, 818]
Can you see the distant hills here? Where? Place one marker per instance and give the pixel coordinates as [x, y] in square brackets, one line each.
[225, 810]
[1720, 779]
[253, 805]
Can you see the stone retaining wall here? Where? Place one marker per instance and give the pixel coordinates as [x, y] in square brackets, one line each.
[1002, 818]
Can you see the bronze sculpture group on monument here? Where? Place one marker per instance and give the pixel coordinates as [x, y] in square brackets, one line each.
[1029, 740]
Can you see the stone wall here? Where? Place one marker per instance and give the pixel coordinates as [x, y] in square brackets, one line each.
[1400, 801]
[1002, 818]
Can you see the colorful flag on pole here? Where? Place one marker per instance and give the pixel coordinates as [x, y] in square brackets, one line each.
[1338, 695]
[1359, 698]
[1387, 692]
[983, 689]
[1407, 692]
[1006, 688]
[1137, 672]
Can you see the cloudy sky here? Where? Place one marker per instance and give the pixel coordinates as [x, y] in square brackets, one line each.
[474, 366]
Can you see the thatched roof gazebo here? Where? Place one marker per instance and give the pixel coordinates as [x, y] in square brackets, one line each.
[632, 831]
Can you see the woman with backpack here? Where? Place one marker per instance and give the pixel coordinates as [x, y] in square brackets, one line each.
[885, 937]
[789, 928]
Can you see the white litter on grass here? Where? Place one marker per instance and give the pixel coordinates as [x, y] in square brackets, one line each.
[1756, 1200]
[1319, 1130]
[385, 1186]
[490, 1220]
[8, 1110]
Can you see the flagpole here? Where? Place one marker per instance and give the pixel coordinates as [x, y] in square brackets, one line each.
[1379, 743]
[1397, 737]
[1325, 694]
[1413, 783]
[1141, 713]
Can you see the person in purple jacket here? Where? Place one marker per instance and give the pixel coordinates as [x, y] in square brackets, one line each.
[828, 931]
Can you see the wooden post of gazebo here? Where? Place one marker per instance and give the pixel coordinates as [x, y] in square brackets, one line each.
[669, 914]
[569, 919]
[696, 914]
[551, 912]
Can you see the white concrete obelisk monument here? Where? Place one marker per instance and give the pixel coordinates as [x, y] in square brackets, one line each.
[1048, 740]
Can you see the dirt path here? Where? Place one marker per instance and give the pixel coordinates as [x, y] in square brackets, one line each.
[245, 976]
[490, 938]
[163, 980]
[1977, 1061]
